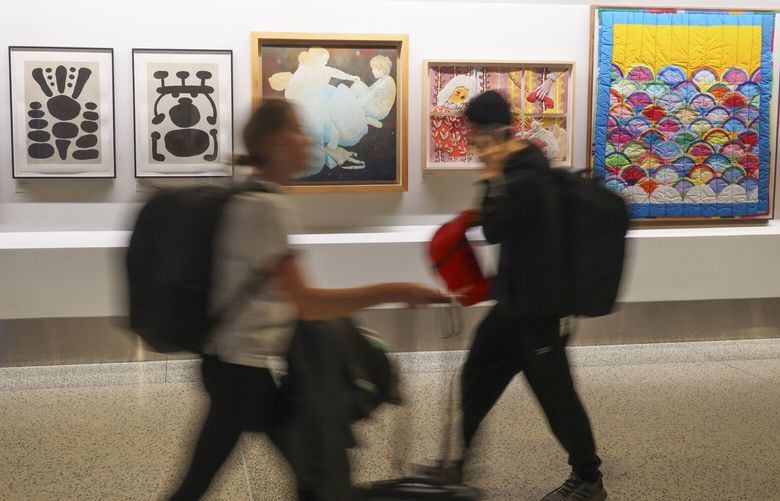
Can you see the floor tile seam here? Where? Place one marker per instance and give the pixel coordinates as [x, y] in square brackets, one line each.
[64, 387]
[704, 354]
[454, 354]
[716, 358]
[85, 375]
[95, 385]
[713, 357]
[746, 372]
[432, 371]
[630, 357]
[77, 369]
[415, 370]
[721, 342]
[242, 446]
[575, 365]
[95, 380]
[167, 379]
[124, 363]
[698, 347]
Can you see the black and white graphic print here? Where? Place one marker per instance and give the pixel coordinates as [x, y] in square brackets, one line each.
[184, 116]
[62, 109]
[63, 113]
[183, 112]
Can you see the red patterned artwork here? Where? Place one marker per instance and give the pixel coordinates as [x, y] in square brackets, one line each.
[539, 94]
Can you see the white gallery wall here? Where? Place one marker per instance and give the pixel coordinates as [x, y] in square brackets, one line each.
[437, 30]
[52, 278]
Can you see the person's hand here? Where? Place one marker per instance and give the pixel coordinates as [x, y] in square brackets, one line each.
[492, 161]
[491, 172]
[415, 294]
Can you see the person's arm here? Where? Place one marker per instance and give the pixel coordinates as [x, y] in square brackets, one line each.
[314, 304]
[337, 73]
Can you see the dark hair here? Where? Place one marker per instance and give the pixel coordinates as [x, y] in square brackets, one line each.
[270, 118]
[489, 108]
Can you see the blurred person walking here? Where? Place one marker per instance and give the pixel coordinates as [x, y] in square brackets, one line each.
[523, 211]
[254, 236]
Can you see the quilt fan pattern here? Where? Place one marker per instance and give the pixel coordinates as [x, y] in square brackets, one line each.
[682, 122]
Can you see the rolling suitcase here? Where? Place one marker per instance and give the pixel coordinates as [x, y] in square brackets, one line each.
[417, 489]
[432, 484]
[453, 260]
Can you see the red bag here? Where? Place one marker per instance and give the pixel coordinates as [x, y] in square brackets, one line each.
[453, 259]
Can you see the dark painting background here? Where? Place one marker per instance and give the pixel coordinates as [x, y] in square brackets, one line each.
[377, 148]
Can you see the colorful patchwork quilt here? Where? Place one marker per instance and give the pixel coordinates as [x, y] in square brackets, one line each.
[682, 125]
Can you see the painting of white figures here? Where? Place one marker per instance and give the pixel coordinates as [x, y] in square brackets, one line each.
[347, 97]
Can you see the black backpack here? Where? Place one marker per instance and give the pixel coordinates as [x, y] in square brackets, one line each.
[596, 222]
[170, 266]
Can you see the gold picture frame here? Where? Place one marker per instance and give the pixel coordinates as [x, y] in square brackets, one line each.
[363, 144]
[541, 94]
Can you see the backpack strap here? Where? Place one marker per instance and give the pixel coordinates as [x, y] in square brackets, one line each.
[251, 285]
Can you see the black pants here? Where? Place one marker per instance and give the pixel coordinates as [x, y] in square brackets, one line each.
[506, 345]
[242, 398]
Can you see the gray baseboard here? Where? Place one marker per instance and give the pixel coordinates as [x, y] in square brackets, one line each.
[408, 364]
[55, 341]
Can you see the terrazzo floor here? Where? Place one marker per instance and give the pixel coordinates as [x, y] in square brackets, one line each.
[681, 421]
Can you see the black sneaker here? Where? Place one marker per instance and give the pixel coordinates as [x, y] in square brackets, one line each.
[576, 489]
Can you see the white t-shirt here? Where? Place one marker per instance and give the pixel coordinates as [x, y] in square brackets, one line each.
[253, 235]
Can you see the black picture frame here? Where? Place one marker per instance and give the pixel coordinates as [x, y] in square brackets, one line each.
[138, 148]
[111, 136]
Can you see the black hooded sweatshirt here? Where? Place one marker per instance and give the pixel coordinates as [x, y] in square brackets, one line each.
[522, 210]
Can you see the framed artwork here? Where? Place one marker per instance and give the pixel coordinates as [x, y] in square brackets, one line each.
[62, 112]
[350, 92]
[681, 104]
[183, 113]
[540, 94]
